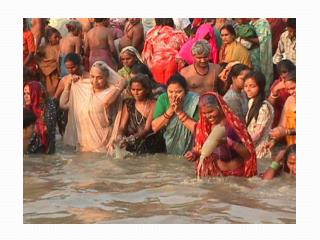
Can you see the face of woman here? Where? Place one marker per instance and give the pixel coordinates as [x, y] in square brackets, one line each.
[175, 91]
[212, 114]
[97, 78]
[291, 88]
[138, 91]
[72, 68]
[226, 36]
[127, 59]
[291, 163]
[238, 81]
[26, 95]
[54, 39]
[251, 88]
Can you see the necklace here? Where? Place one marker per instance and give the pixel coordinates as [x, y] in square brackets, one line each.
[142, 117]
[201, 74]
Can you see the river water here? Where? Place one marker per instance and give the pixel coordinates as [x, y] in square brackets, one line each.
[70, 187]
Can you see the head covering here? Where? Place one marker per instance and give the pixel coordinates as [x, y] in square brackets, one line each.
[133, 51]
[203, 130]
[205, 29]
[38, 97]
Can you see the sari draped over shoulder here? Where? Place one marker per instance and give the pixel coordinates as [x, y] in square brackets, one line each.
[204, 30]
[234, 52]
[203, 129]
[178, 138]
[161, 47]
[91, 127]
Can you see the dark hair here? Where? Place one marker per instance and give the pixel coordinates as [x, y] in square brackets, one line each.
[210, 100]
[290, 150]
[229, 28]
[99, 20]
[260, 79]
[144, 69]
[164, 22]
[291, 76]
[49, 32]
[235, 72]
[291, 22]
[285, 66]
[29, 118]
[179, 79]
[144, 80]
[73, 57]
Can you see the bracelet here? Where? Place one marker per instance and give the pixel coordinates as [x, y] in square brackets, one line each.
[185, 119]
[166, 116]
[274, 165]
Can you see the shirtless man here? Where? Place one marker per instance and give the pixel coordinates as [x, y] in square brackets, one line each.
[133, 35]
[71, 43]
[202, 75]
[87, 24]
[99, 45]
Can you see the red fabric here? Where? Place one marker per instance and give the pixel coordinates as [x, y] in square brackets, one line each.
[29, 47]
[38, 97]
[203, 129]
[279, 103]
[161, 47]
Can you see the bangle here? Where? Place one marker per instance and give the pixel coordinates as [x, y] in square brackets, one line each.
[274, 96]
[274, 165]
[166, 116]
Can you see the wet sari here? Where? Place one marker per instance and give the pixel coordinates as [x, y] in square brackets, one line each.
[235, 125]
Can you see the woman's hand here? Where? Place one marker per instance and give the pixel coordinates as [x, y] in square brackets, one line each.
[177, 104]
[200, 167]
[277, 132]
[191, 155]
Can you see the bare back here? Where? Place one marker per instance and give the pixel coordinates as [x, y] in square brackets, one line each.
[70, 44]
[198, 83]
[133, 36]
[98, 37]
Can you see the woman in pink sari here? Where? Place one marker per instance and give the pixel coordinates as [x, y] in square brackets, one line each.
[94, 109]
[205, 31]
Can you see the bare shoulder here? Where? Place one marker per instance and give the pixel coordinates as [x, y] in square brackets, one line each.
[186, 70]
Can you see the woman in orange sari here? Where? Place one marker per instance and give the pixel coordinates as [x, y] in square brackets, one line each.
[161, 46]
[234, 154]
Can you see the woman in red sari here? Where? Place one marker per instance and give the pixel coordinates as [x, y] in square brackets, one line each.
[234, 154]
[161, 47]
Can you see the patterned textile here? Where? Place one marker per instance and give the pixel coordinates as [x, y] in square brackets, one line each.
[161, 46]
[235, 52]
[286, 49]
[203, 129]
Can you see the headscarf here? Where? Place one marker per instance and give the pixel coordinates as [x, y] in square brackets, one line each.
[38, 97]
[203, 130]
[133, 51]
[186, 50]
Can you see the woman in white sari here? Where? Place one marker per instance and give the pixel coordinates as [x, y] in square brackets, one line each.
[94, 106]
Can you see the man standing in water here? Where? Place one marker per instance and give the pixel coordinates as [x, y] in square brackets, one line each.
[99, 45]
[202, 75]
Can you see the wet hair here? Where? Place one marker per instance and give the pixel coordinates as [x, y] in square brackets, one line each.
[49, 32]
[291, 76]
[73, 57]
[178, 79]
[260, 79]
[29, 118]
[102, 66]
[73, 25]
[144, 80]
[164, 22]
[209, 100]
[291, 150]
[99, 20]
[291, 22]
[229, 28]
[235, 71]
[285, 66]
[201, 47]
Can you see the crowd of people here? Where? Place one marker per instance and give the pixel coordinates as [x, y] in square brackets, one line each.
[220, 92]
